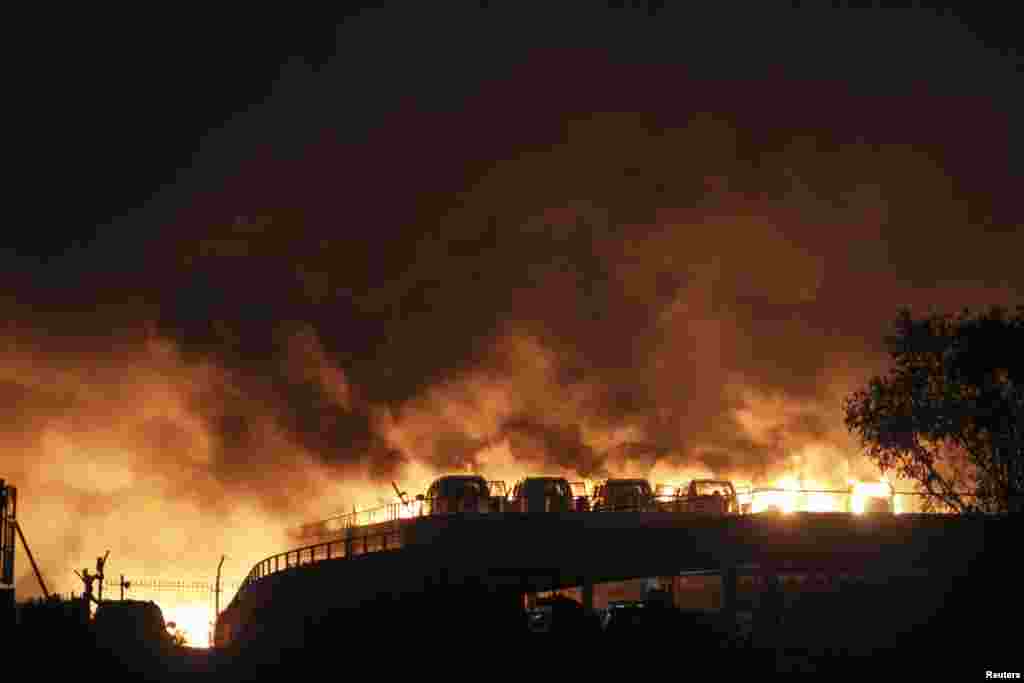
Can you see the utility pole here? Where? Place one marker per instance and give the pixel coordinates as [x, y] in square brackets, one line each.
[100, 563]
[9, 527]
[35, 567]
[216, 591]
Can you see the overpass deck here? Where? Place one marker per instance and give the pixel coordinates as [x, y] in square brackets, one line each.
[511, 541]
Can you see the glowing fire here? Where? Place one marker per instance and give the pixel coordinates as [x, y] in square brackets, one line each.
[666, 490]
[191, 621]
[744, 496]
[863, 492]
[780, 497]
[787, 495]
[414, 508]
[817, 498]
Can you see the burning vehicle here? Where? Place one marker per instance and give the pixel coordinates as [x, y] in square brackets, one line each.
[459, 493]
[581, 497]
[499, 496]
[710, 496]
[666, 497]
[624, 495]
[542, 494]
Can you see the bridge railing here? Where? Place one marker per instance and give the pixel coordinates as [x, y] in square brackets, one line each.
[334, 549]
[751, 499]
[842, 500]
[810, 500]
[392, 512]
[359, 518]
[833, 499]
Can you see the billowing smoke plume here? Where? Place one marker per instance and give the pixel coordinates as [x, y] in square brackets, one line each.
[663, 295]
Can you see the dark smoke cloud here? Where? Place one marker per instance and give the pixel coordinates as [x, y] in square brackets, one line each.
[596, 263]
[654, 264]
[560, 445]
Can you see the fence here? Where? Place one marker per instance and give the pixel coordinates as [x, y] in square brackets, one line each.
[182, 601]
[178, 586]
[183, 590]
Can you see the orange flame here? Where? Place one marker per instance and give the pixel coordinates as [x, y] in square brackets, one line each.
[193, 621]
[863, 492]
[780, 497]
[414, 508]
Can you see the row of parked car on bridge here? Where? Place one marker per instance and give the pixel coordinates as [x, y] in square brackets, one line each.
[473, 493]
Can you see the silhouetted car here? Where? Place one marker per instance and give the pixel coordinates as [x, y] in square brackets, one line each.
[622, 495]
[499, 496]
[458, 493]
[710, 496]
[541, 494]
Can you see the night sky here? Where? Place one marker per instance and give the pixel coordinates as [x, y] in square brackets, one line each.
[604, 239]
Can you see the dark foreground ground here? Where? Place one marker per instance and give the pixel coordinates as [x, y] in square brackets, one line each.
[815, 638]
[940, 626]
[647, 653]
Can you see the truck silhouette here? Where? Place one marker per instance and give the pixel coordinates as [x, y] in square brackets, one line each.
[542, 494]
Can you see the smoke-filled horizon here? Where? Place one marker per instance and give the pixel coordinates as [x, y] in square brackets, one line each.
[505, 272]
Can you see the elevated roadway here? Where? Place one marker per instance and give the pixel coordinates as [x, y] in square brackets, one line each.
[498, 557]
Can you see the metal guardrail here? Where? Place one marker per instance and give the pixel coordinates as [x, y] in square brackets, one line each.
[351, 546]
[361, 518]
[395, 511]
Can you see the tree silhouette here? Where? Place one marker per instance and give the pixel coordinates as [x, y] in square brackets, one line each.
[950, 414]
